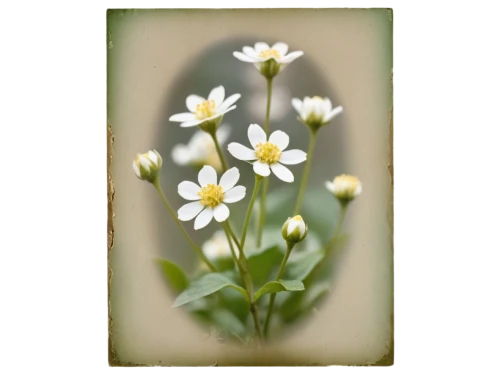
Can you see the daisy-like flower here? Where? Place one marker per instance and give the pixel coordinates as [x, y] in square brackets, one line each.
[315, 112]
[268, 60]
[206, 113]
[269, 155]
[217, 246]
[344, 187]
[210, 196]
[147, 166]
[200, 150]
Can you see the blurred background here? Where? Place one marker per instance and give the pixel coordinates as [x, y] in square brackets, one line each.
[156, 58]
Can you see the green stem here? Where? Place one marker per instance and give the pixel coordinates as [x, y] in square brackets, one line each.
[289, 247]
[219, 150]
[233, 235]
[258, 180]
[242, 265]
[158, 188]
[268, 106]
[329, 245]
[262, 208]
[307, 171]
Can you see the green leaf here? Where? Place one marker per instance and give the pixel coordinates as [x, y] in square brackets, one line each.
[300, 266]
[228, 322]
[261, 264]
[205, 286]
[174, 275]
[279, 286]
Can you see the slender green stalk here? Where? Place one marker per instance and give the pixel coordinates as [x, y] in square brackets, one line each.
[289, 247]
[262, 208]
[158, 188]
[233, 235]
[258, 180]
[262, 212]
[307, 171]
[268, 106]
[242, 265]
[225, 225]
[219, 150]
[329, 245]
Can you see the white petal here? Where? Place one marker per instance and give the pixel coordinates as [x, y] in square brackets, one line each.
[282, 172]
[256, 135]
[190, 123]
[136, 169]
[207, 175]
[297, 104]
[280, 139]
[329, 186]
[221, 113]
[327, 105]
[292, 157]
[242, 57]
[153, 157]
[229, 102]
[217, 95]
[281, 47]
[236, 194]
[145, 162]
[181, 117]
[181, 155]
[333, 113]
[221, 212]
[260, 46]
[307, 107]
[262, 169]
[204, 218]
[249, 51]
[294, 224]
[189, 211]
[189, 190]
[241, 152]
[290, 57]
[229, 179]
[192, 101]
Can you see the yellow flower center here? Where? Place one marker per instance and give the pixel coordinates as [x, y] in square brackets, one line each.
[267, 53]
[268, 152]
[205, 109]
[346, 182]
[317, 98]
[211, 195]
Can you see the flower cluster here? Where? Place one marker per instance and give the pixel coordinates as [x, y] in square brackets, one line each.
[210, 196]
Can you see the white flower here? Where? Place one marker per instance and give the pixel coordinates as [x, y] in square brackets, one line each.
[268, 60]
[147, 166]
[345, 187]
[209, 196]
[200, 150]
[217, 246]
[268, 154]
[204, 110]
[315, 111]
[294, 230]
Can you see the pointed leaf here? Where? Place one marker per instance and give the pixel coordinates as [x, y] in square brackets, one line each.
[301, 265]
[279, 286]
[262, 263]
[205, 286]
[174, 275]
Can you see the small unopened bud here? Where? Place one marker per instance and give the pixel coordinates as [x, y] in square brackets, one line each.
[294, 230]
[147, 166]
[344, 187]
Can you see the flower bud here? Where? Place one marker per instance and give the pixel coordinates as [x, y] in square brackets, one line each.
[294, 230]
[344, 187]
[147, 166]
